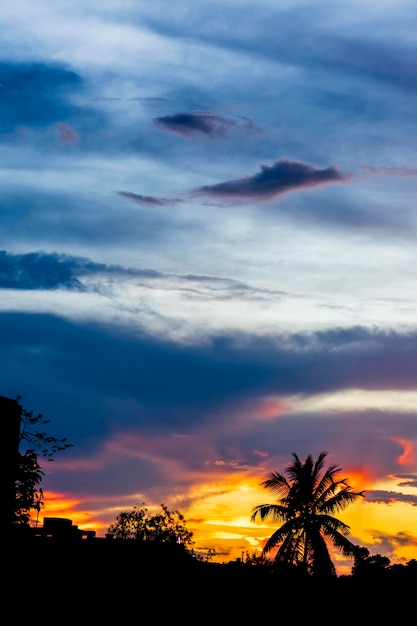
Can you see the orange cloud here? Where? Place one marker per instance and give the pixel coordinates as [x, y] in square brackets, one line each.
[59, 505]
[407, 456]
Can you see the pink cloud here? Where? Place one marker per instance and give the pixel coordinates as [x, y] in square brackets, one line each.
[66, 134]
[403, 170]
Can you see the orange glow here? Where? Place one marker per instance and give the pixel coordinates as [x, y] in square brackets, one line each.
[58, 505]
[218, 513]
[358, 479]
[407, 456]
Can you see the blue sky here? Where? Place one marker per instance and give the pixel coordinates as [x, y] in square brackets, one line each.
[207, 249]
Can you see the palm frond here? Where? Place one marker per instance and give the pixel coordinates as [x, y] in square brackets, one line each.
[306, 500]
[328, 523]
[341, 542]
[276, 483]
[290, 552]
[273, 512]
[338, 501]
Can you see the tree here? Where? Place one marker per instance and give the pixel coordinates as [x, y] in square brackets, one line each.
[166, 527]
[367, 564]
[305, 503]
[34, 443]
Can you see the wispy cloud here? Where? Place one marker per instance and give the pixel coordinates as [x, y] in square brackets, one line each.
[272, 181]
[148, 200]
[66, 133]
[43, 271]
[39, 270]
[402, 170]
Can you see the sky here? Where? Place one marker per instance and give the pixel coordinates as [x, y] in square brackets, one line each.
[207, 255]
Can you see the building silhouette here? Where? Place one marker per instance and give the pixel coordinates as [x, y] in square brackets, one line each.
[10, 416]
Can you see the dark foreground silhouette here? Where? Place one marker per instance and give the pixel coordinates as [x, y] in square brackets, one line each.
[50, 582]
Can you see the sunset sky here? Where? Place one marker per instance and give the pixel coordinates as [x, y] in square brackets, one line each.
[208, 255]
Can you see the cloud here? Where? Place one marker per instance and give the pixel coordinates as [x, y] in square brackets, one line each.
[197, 123]
[178, 384]
[148, 200]
[409, 480]
[52, 271]
[149, 99]
[37, 271]
[116, 384]
[39, 95]
[390, 497]
[66, 133]
[281, 177]
[35, 94]
[403, 170]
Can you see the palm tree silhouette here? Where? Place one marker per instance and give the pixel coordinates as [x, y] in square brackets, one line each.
[306, 501]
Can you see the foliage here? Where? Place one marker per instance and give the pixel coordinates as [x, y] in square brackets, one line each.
[206, 556]
[164, 527]
[28, 494]
[34, 442]
[257, 559]
[367, 564]
[306, 500]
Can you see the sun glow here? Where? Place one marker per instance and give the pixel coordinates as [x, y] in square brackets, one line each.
[218, 514]
[57, 505]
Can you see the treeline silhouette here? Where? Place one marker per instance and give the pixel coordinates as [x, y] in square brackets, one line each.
[98, 577]
[146, 569]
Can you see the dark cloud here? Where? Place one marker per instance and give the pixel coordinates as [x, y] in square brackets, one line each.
[40, 270]
[176, 384]
[282, 176]
[390, 497]
[37, 95]
[149, 200]
[96, 380]
[37, 271]
[408, 480]
[196, 123]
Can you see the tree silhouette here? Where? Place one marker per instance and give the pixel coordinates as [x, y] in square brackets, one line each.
[306, 501]
[367, 564]
[166, 527]
[34, 443]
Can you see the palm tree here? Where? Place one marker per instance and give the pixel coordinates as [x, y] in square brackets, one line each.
[306, 501]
